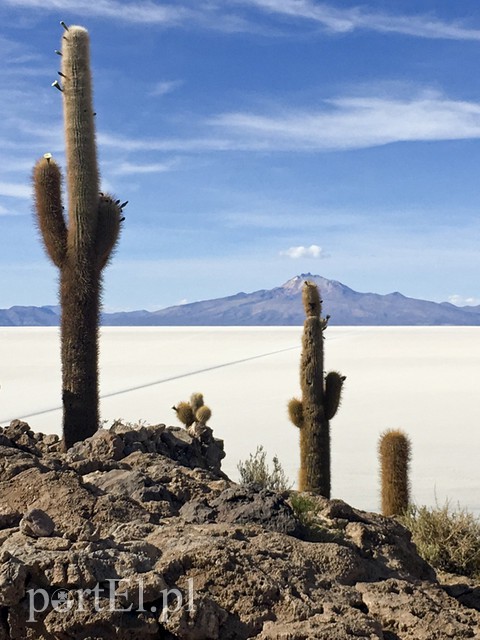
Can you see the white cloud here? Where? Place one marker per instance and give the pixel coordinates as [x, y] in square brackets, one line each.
[229, 17]
[358, 122]
[345, 20]
[139, 12]
[129, 168]
[462, 301]
[200, 144]
[189, 13]
[165, 86]
[313, 251]
[14, 190]
[335, 124]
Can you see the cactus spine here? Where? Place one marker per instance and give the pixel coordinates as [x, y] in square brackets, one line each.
[394, 451]
[82, 248]
[320, 399]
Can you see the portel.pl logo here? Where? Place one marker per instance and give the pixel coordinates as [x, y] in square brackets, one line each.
[108, 597]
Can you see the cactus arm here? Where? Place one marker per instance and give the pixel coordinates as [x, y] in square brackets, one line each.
[333, 393]
[108, 229]
[82, 171]
[47, 181]
[295, 412]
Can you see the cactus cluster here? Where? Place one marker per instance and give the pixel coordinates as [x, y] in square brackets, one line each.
[394, 450]
[81, 244]
[194, 412]
[321, 397]
[81, 247]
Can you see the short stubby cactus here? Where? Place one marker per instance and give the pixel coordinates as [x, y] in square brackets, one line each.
[194, 412]
[320, 399]
[394, 450]
[81, 247]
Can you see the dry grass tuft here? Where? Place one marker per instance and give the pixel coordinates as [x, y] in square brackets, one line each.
[448, 539]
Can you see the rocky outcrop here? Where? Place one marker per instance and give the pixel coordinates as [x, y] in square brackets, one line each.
[96, 542]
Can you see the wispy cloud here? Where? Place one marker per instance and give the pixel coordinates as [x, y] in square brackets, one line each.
[335, 124]
[313, 251]
[206, 14]
[139, 12]
[165, 86]
[14, 190]
[130, 168]
[349, 123]
[242, 15]
[195, 144]
[344, 20]
[6, 211]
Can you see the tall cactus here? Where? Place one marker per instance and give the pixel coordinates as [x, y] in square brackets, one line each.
[320, 399]
[82, 248]
[394, 450]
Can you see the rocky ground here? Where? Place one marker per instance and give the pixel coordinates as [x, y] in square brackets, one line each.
[96, 542]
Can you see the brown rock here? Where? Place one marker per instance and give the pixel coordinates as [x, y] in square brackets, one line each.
[150, 506]
[13, 576]
[37, 524]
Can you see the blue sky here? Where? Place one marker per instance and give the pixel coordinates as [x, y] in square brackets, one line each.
[255, 140]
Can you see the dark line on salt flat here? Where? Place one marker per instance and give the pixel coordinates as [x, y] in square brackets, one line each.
[161, 381]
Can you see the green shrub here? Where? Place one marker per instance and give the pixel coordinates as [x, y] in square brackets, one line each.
[316, 528]
[448, 539]
[256, 470]
[305, 508]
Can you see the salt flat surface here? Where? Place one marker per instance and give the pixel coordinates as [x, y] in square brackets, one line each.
[424, 380]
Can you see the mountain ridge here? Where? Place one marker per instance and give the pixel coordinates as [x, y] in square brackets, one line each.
[280, 306]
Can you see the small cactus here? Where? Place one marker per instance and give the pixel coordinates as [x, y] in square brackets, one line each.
[394, 450]
[320, 399]
[193, 412]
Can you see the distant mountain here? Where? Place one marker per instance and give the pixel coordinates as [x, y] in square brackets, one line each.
[278, 306]
[30, 316]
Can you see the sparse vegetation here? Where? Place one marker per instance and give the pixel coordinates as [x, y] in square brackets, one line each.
[256, 470]
[449, 539]
[307, 510]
